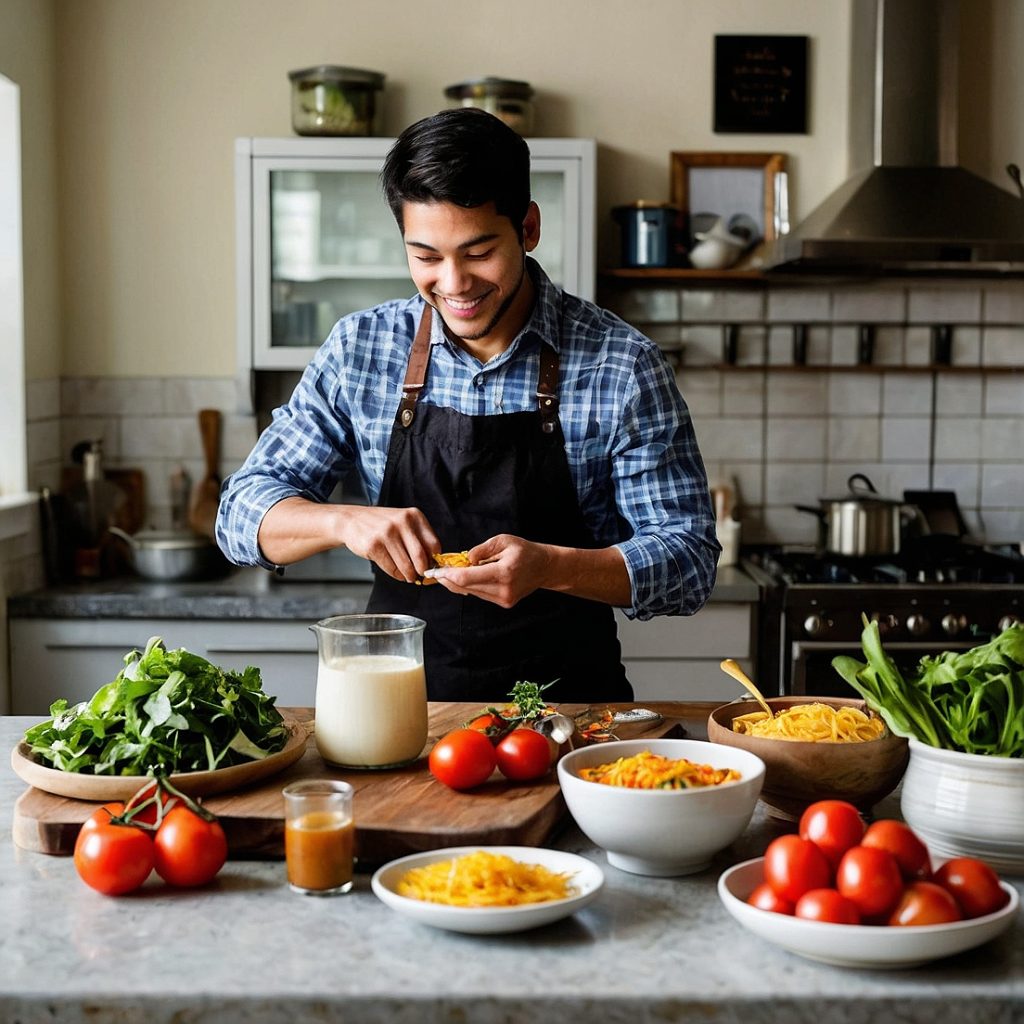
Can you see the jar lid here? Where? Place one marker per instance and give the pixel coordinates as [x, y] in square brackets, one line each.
[645, 204]
[336, 73]
[478, 88]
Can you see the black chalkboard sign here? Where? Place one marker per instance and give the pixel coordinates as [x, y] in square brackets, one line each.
[761, 84]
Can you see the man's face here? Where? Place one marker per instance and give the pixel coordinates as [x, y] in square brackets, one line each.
[470, 265]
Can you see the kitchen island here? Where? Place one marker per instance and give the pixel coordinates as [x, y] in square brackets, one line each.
[247, 949]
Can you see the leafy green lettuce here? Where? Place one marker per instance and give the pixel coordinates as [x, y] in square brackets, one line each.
[972, 701]
[167, 711]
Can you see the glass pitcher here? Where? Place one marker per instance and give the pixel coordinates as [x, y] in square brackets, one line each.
[371, 690]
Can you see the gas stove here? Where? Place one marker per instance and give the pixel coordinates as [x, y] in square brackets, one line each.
[940, 593]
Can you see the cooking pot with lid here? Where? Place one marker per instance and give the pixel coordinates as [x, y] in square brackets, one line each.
[861, 522]
[170, 555]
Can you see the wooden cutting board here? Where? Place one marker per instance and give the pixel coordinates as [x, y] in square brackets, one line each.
[397, 812]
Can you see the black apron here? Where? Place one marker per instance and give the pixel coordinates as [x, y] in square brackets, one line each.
[474, 477]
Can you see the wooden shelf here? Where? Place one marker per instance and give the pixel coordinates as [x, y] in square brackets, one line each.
[682, 274]
[673, 354]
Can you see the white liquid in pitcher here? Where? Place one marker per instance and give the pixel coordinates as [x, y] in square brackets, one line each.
[371, 710]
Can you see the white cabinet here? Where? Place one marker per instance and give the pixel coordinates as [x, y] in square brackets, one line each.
[316, 240]
[678, 657]
[73, 658]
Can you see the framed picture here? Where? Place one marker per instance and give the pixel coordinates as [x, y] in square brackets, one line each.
[745, 190]
[761, 84]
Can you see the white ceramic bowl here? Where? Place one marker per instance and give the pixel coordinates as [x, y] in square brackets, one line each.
[854, 945]
[966, 805]
[662, 832]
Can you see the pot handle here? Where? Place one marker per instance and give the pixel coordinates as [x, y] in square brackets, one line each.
[869, 487]
[819, 512]
[126, 537]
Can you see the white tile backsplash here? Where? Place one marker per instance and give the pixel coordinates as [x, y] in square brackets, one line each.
[1003, 303]
[1002, 346]
[906, 394]
[869, 305]
[958, 395]
[943, 304]
[854, 394]
[905, 439]
[797, 394]
[796, 440]
[854, 439]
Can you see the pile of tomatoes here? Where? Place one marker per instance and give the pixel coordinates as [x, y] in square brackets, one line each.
[159, 829]
[837, 869]
[467, 757]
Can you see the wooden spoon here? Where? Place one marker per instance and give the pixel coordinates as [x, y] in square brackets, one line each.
[731, 668]
[202, 513]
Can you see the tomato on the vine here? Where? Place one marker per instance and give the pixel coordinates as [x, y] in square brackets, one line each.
[764, 897]
[113, 858]
[833, 826]
[871, 879]
[902, 842]
[793, 865]
[487, 722]
[463, 759]
[523, 754]
[826, 905]
[973, 884]
[189, 848]
[924, 903]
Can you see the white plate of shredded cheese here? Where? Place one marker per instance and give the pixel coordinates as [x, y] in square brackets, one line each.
[470, 880]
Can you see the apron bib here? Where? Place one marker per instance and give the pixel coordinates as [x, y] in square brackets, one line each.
[474, 477]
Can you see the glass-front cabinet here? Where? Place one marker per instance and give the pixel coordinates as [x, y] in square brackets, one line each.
[316, 239]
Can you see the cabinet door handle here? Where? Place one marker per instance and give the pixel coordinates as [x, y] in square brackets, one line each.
[251, 649]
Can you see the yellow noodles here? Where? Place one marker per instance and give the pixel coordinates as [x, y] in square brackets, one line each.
[813, 723]
[484, 879]
[652, 771]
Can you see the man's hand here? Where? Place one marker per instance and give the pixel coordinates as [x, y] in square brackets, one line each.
[399, 540]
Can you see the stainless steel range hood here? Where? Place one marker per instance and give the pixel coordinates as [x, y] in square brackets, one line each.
[907, 208]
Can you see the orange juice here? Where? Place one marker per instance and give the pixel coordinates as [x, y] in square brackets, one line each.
[318, 849]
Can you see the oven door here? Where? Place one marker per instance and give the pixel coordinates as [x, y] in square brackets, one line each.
[811, 672]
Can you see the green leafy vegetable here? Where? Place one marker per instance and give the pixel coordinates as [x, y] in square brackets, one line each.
[972, 701]
[167, 711]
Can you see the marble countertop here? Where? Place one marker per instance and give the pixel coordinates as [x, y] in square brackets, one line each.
[243, 594]
[247, 950]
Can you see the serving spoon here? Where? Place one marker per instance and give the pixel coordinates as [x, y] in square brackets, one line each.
[730, 667]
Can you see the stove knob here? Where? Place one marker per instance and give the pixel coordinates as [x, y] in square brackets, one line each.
[815, 625]
[917, 625]
[1007, 621]
[954, 624]
[886, 623]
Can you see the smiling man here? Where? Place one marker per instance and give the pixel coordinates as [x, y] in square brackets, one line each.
[495, 414]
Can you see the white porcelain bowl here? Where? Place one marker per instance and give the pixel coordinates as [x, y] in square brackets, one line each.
[966, 805]
[662, 832]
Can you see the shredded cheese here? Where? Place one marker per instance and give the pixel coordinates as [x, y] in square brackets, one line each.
[652, 771]
[483, 879]
[812, 723]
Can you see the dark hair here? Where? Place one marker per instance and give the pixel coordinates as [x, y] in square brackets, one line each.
[464, 156]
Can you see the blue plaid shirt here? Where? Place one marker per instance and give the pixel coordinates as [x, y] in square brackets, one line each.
[632, 452]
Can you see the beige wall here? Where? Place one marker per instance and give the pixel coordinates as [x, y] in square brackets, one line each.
[150, 96]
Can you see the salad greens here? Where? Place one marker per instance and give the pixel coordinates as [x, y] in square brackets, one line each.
[972, 701]
[167, 711]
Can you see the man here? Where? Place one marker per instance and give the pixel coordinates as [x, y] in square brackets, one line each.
[495, 414]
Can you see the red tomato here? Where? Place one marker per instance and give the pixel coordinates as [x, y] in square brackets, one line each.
[871, 879]
[827, 905]
[764, 897]
[488, 722]
[793, 865]
[523, 754]
[153, 798]
[833, 826]
[973, 884]
[902, 842]
[925, 903]
[102, 816]
[189, 849]
[462, 759]
[113, 859]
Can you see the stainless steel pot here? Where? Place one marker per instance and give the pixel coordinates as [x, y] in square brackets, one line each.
[861, 522]
[172, 554]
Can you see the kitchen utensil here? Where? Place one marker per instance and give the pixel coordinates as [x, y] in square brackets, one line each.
[863, 946]
[730, 667]
[861, 522]
[1014, 172]
[202, 513]
[172, 554]
[798, 772]
[718, 248]
[941, 512]
[662, 832]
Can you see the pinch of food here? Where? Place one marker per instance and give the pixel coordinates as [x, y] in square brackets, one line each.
[447, 560]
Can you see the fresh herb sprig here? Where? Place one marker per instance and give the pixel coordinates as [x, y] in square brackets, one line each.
[167, 711]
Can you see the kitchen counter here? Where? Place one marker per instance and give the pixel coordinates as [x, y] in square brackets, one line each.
[247, 949]
[243, 594]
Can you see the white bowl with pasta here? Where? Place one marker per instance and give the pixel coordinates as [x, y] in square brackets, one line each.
[660, 831]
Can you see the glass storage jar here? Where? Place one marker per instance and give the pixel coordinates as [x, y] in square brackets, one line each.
[506, 98]
[332, 100]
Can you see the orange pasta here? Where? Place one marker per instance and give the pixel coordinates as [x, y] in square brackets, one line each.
[652, 771]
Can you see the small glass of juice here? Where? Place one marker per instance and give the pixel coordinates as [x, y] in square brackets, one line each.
[319, 836]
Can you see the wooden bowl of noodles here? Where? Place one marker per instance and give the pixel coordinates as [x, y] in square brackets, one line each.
[799, 772]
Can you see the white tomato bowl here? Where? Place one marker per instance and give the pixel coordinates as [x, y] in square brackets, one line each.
[662, 832]
[966, 805]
